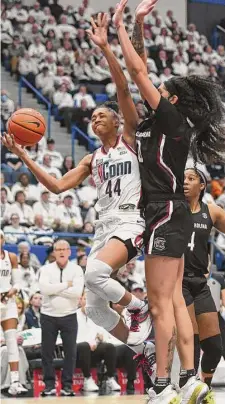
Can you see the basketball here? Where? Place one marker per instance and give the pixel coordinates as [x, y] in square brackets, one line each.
[27, 125]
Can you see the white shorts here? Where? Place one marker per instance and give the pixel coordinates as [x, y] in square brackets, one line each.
[9, 311]
[125, 226]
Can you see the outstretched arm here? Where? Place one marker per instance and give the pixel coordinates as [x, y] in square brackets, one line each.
[98, 35]
[70, 180]
[134, 63]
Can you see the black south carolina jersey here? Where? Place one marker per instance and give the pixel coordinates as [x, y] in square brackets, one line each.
[163, 144]
[196, 255]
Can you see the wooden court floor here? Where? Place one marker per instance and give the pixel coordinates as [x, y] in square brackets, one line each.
[95, 399]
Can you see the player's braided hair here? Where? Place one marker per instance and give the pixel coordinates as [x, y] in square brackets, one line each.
[199, 100]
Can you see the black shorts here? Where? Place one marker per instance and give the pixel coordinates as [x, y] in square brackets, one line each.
[196, 290]
[168, 228]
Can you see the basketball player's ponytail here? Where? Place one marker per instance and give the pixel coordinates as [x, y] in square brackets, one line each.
[199, 100]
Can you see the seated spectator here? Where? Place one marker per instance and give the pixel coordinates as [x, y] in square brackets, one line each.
[56, 157]
[45, 82]
[46, 209]
[179, 67]
[14, 52]
[32, 313]
[162, 61]
[69, 215]
[11, 165]
[82, 262]
[24, 247]
[30, 190]
[37, 49]
[66, 50]
[93, 351]
[164, 40]
[62, 78]
[63, 26]
[52, 36]
[29, 282]
[68, 164]
[28, 67]
[91, 216]
[56, 9]
[6, 31]
[23, 363]
[82, 94]
[7, 107]
[50, 51]
[30, 39]
[197, 67]
[18, 13]
[37, 13]
[14, 227]
[49, 63]
[213, 75]
[4, 185]
[81, 116]
[66, 63]
[27, 28]
[47, 166]
[41, 234]
[33, 151]
[166, 75]
[4, 203]
[62, 98]
[24, 211]
[87, 194]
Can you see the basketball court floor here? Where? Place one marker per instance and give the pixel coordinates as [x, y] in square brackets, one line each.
[93, 399]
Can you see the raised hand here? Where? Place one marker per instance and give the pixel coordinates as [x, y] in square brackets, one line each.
[119, 10]
[144, 8]
[9, 142]
[98, 33]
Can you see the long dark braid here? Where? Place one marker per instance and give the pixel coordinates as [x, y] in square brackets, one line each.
[199, 100]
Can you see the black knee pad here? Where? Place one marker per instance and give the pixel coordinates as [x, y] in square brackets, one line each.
[212, 352]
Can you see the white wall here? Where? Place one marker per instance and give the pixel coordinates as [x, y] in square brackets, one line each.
[178, 6]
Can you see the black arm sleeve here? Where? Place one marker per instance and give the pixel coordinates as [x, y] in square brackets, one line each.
[169, 121]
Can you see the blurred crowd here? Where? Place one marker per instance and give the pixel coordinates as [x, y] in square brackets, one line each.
[48, 45]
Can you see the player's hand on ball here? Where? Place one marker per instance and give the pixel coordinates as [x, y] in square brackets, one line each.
[98, 34]
[144, 8]
[118, 16]
[9, 142]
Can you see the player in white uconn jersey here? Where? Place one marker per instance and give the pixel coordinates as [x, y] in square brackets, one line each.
[9, 286]
[120, 227]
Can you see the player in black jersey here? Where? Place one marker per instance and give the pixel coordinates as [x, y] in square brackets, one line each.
[180, 110]
[200, 303]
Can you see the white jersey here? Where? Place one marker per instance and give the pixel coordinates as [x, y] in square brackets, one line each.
[117, 178]
[5, 273]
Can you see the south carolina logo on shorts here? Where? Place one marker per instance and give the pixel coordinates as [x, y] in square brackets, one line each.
[159, 244]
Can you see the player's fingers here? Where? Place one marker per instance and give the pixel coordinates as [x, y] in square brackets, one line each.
[99, 19]
[89, 32]
[105, 20]
[94, 26]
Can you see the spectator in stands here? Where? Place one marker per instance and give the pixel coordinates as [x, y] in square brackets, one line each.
[82, 94]
[63, 26]
[166, 75]
[30, 190]
[24, 211]
[63, 99]
[218, 184]
[221, 200]
[68, 164]
[66, 50]
[6, 31]
[41, 234]
[58, 312]
[32, 314]
[11, 165]
[162, 61]
[82, 262]
[87, 194]
[62, 78]
[179, 67]
[37, 13]
[45, 82]
[18, 12]
[50, 50]
[14, 227]
[94, 350]
[213, 75]
[81, 116]
[56, 157]
[24, 247]
[197, 67]
[7, 107]
[37, 49]
[69, 214]
[164, 40]
[46, 208]
[28, 67]
[29, 282]
[15, 51]
[56, 9]
[4, 203]
[47, 166]
[4, 185]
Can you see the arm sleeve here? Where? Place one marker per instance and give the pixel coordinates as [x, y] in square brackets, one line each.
[75, 292]
[48, 288]
[168, 119]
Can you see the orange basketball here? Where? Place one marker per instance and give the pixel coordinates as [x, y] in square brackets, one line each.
[27, 125]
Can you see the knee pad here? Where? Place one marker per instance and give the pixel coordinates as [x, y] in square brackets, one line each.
[97, 279]
[212, 352]
[12, 347]
[100, 313]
